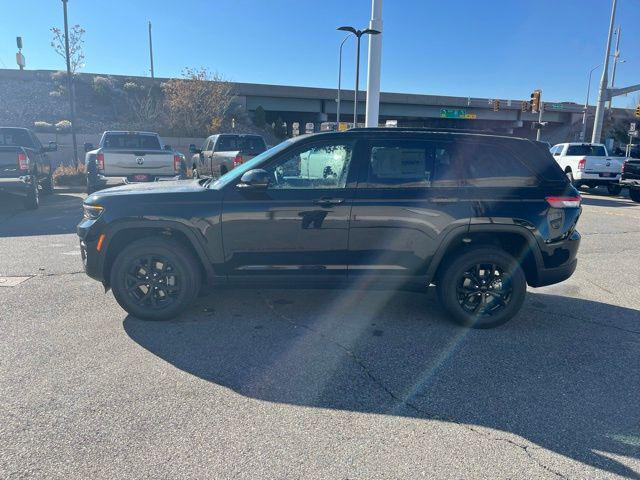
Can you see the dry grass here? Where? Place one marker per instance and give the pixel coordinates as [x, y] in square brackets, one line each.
[69, 176]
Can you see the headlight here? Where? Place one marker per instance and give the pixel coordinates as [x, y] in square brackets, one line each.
[92, 212]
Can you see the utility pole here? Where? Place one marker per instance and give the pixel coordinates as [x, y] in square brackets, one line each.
[616, 58]
[151, 50]
[340, 79]
[602, 93]
[70, 84]
[373, 67]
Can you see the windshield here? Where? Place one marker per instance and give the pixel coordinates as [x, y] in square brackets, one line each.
[251, 164]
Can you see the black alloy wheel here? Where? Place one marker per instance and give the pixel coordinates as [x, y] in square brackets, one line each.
[152, 282]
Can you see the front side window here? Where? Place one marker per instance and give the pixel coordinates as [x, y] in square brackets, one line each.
[317, 167]
[401, 163]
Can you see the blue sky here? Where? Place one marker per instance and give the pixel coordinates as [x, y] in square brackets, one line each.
[478, 48]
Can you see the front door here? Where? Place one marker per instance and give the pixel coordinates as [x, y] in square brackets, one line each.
[299, 225]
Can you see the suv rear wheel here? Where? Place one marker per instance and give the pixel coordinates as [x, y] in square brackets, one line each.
[614, 189]
[155, 278]
[634, 193]
[482, 288]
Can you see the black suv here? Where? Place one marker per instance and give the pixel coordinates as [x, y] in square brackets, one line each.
[480, 216]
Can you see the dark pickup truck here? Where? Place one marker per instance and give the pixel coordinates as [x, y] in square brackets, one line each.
[24, 165]
[631, 178]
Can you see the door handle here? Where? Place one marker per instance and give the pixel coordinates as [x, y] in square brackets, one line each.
[328, 202]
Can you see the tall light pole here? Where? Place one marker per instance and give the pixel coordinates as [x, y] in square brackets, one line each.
[358, 34]
[151, 50]
[373, 66]
[340, 79]
[616, 59]
[70, 84]
[583, 134]
[602, 93]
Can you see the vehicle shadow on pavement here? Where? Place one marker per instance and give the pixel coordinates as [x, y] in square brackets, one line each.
[555, 376]
[58, 214]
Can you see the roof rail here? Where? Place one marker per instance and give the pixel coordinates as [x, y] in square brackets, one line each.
[425, 129]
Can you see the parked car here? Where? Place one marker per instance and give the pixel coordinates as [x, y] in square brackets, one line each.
[133, 156]
[223, 152]
[631, 178]
[25, 167]
[589, 164]
[479, 216]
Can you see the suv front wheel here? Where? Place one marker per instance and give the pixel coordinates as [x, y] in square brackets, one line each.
[482, 288]
[155, 278]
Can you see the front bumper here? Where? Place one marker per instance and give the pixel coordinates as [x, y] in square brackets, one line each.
[92, 259]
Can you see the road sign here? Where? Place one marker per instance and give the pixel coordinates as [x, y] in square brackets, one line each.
[632, 127]
[456, 113]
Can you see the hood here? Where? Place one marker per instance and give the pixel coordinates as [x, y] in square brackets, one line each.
[152, 188]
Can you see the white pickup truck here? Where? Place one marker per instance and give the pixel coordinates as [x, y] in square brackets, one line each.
[132, 156]
[589, 164]
[223, 152]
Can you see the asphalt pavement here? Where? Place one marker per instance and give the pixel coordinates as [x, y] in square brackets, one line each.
[346, 384]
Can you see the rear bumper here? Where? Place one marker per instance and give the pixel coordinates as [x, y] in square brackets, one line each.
[596, 179]
[16, 186]
[559, 261]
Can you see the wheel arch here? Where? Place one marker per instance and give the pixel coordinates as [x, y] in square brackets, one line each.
[518, 241]
[124, 233]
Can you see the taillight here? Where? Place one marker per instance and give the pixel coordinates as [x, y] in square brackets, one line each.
[581, 163]
[238, 160]
[100, 160]
[23, 161]
[564, 202]
[177, 163]
[624, 164]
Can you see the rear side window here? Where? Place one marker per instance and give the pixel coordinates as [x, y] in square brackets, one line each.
[587, 150]
[494, 166]
[400, 164]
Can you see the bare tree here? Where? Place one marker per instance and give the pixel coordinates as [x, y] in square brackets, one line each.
[198, 103]
[76, 42]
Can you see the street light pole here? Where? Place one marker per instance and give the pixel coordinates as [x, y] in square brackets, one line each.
[358, 34]
[616, 59]
[70, 85]
[151, 50]
[583, 134]
[602, 93]
[373, 66]
[340, 79]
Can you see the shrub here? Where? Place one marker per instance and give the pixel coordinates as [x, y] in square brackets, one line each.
[59, 76]
[43, 127]
[130, 87]
[63, 126]
[102, 86]
[55, 93]
[70, 176]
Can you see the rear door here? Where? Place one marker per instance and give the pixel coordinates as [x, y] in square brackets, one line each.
[299, 225]
[409, 198]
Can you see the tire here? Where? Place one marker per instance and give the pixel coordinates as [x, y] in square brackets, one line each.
[458, 295]
[614, 189]
[91, 188]
[130, 269]
[47, 186]
[32, 200]
[634, 193]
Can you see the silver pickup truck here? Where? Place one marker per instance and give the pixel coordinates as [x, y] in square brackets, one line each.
[132, 156]
[223, 152]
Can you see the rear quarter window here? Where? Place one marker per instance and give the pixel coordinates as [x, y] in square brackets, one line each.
[482, 165]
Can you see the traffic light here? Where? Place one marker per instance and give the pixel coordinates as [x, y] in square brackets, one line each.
[524, 107]
[638, 111]
[496, 105]
[535, 101]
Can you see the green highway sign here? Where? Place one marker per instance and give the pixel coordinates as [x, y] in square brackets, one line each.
[456, 113]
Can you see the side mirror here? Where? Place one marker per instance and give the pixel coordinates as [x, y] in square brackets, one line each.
[256, 179]
[53, 147]
[193, 148]
[168, 147]
[88, 147]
